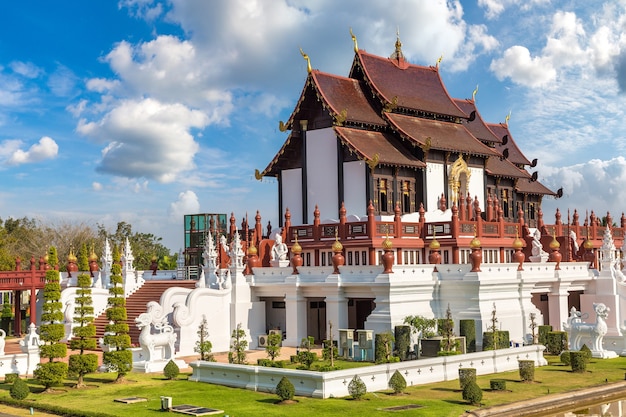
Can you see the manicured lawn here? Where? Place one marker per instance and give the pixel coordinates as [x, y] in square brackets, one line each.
[437, 400]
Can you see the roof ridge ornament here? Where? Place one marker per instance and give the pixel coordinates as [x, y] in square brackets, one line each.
[439, 61]
[506, 119]
[308, 61]
[397, 54]
[474, 93]
[356, 45]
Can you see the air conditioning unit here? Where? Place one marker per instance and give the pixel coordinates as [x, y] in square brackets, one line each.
[262, 340]
[276, 331]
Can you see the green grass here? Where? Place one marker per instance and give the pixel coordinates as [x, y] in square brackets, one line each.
[437, 400]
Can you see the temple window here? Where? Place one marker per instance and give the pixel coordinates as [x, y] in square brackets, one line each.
[504, 200]
[531, 211]
[383, 197]
[407, 197]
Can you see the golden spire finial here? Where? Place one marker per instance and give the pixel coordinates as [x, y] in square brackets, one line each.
[308, 61]
[356, 45]
[474, 93]
[506, 119]
[439, 60]
[397, 54]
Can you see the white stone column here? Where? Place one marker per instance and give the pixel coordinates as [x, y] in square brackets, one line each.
[295, 305]
[557, 308]
[336, 311]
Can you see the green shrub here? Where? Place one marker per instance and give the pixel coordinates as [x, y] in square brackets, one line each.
[504, 340]
[51, 373]
[397, 382]
[466, 375]
[357, 388]
[543, 333]
[293, 358]
[564, 357]
[328, 368]
[19, 389]
[527, 370]
[501, 337]
[10, 378]
[306, 358]
[467, 328]
[403, 341]
[556, 342]
[84, 364]
[472, 393]
[329, 347]
[383, 347]
[497, 384]
[450, 353]
[171, 370]
[588, 354]
[285, 389]
[578, 361]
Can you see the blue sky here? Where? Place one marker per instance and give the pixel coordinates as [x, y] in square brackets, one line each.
[143, 110]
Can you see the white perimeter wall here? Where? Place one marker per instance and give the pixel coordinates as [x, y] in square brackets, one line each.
[434, 184]
[291, 185]
[354, 188]
[321, 160]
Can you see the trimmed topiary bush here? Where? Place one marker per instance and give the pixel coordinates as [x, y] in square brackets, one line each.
[466, 375]
[467, 328]
[497, 384]
[10, 378]
[502, 339]
[397, 382]
[19, 389]
[357, 388]
[564, 357]
[578, 361]
[543, 333]
[472, 393]
[556, 342]
[285, 389]
[588, 354]
[527, 370]
[383, 347]
[171, 370]
[403, 341]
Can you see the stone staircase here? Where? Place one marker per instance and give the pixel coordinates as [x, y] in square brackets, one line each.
[136, 304]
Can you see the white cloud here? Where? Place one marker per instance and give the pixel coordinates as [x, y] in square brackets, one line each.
[46, 148]
[62, 82]
[595, 185]
[144, 9]
[96, 186]
[26, 69]
[522, 68]
[187, 203]
[146, 138]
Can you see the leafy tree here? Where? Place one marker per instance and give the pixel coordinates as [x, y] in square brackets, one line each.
[119, 359]
[83, 258]
[357, 388]
[52, 329]
[305, 356]
[144, 245]
[494, 328]
[273, 345]
[84, 333]
[285, 389]
[447, 331]
[171, 370]
[203, 345]
[19, 389]
[238, 346]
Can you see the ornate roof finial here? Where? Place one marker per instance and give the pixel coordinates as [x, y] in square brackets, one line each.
[506, 119]
[439, 60]
[474, 93]
[308, 61]
[397, 54]
[356, 45]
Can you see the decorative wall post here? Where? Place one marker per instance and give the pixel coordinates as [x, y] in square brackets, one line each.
[338, 259]
[296, 259]
[388, 256]
[555, 255]
[477, 254]
[435, 257]
[252, 260]
[518, 256]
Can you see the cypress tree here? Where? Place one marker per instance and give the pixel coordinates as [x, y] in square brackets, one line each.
[119, 359]
[52, 329]
[84, 333]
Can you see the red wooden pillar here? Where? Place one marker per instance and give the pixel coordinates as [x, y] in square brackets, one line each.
[33, 291]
